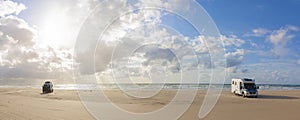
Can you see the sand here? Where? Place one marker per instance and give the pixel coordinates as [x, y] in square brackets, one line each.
[28, 103]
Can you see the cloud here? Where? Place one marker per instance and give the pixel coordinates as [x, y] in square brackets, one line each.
[199, 43]
[298, 61]
[20, 54]
[245, 70]
[279, 38]
[61, 20]
[126, 33]
[17, 41]
[231, 70]
[154, 3]
[234, 58]
[275, 72]
[158, 46]
[185, 48]
[254, 44]
[9, 7]
[16, 31]
[155, 47]
[178, 4]
[258, 32]
[159, 53]
[232, 40]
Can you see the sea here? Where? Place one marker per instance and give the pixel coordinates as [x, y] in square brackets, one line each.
[225, 87]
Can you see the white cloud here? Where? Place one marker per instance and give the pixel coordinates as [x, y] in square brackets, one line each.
[9, 7]
[231, 70]
[254, 44]
[20, 55]
[153, 3]
[32, 57]
[200, 45]
[127, 32]
[234, 58]
[17, 41]
[22, 49]
[16, 30]
[258, 32]
[232, 40]
[279, 38]
[275, 72]
[292, 28]
[183, 47]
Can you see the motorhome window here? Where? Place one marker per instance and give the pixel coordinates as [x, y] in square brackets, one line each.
[249, 86]
[247, 79]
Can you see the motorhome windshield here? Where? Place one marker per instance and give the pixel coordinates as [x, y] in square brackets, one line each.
[249, 86]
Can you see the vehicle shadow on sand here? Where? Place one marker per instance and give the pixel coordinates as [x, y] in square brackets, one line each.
[276, 97]
[45, 93]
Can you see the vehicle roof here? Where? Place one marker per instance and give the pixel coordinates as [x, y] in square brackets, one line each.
[245, 80]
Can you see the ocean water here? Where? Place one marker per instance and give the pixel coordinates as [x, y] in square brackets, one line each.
[226, 87]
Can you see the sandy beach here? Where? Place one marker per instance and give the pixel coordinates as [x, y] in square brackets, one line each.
[28, 103]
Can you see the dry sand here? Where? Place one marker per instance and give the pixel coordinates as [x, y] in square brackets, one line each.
[27, 103]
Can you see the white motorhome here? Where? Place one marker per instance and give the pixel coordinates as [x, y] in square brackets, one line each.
[245, 87]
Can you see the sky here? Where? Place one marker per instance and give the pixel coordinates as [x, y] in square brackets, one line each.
[270, 31]
[260, 37]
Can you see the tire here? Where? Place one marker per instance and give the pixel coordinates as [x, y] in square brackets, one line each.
[244, 95]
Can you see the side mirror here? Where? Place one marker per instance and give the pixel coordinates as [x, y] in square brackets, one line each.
[257, 87]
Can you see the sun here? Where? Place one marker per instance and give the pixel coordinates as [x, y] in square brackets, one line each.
[57, 28]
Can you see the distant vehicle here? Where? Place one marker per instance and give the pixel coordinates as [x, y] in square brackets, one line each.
[245, 87]
[47, 87]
